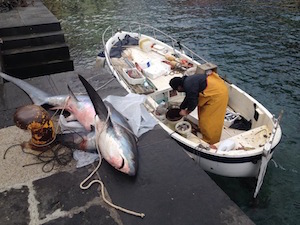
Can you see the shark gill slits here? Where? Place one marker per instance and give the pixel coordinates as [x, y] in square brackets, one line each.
[123, 163]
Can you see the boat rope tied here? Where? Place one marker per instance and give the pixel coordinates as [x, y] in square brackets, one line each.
[110, 80]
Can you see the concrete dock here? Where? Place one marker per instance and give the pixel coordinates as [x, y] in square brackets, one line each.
[169, 188]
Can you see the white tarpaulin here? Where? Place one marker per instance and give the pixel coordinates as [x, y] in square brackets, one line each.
[132, 108]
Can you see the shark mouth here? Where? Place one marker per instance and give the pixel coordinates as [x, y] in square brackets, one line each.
[123, 163]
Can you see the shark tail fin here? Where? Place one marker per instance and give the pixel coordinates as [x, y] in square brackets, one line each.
[37, 96]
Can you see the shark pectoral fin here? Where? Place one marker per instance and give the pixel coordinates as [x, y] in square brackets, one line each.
[69, 126]
[71, 117]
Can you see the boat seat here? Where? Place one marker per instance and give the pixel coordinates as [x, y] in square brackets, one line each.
[251, 139]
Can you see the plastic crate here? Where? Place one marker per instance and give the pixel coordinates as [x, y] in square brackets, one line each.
[133, 76]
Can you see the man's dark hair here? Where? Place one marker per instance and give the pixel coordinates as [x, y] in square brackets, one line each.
[176, 82]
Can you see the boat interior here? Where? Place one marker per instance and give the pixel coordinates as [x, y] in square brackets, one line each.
[146, 68]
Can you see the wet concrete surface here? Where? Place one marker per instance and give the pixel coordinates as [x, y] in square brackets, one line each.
[14, 206]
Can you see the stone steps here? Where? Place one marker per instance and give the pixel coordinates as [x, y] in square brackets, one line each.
[33, 49]
[16, 30]
[34, 54]
[45, 38]
[41, 68]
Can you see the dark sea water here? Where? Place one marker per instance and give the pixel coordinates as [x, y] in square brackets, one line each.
[256, 44]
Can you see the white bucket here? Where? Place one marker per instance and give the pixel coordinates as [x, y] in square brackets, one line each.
[184, 128]
[145, 44]
[100, 62]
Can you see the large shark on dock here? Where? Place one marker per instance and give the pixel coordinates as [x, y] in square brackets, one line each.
[112, 134]
[116, 143]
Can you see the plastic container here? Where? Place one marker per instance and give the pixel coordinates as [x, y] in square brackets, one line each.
[160, 112]
[157, 69]
[133, 76]
[184, 128]
[145, 44]
[230, 117]
[145, 63]
[158, 47]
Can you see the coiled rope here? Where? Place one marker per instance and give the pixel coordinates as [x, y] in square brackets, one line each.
[56, 157]
[142, 215]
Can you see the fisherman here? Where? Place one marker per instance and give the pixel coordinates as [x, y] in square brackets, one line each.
[210, 94]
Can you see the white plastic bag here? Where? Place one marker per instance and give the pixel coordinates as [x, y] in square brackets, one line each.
[227, 145]
[84, 158]
[72, 126]
[132, 108]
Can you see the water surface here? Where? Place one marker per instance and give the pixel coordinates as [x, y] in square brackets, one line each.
[256, 44]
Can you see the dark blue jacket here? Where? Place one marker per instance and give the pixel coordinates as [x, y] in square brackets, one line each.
[192, 86]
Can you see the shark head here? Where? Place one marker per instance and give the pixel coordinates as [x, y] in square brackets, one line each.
[116, 143]
[118, 149]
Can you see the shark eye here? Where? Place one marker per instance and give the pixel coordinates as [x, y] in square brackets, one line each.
[123, 163]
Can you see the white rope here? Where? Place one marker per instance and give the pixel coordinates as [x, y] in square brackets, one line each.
[102, 192]
[110, 80]
[142, 215]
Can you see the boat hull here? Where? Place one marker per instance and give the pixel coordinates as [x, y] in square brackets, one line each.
[225, 166]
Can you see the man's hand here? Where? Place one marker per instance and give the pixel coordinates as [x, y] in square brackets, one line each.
[184, 112]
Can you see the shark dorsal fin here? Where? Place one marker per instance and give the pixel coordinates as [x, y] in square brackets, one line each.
[99, 105]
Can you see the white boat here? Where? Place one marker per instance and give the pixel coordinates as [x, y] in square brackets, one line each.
[144, 65]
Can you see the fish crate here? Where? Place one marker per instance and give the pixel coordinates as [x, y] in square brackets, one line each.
[133, 76]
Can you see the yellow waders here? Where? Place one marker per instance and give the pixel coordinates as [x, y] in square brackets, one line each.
[212, 105]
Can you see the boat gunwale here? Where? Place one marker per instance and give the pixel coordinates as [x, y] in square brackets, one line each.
[193, 54]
